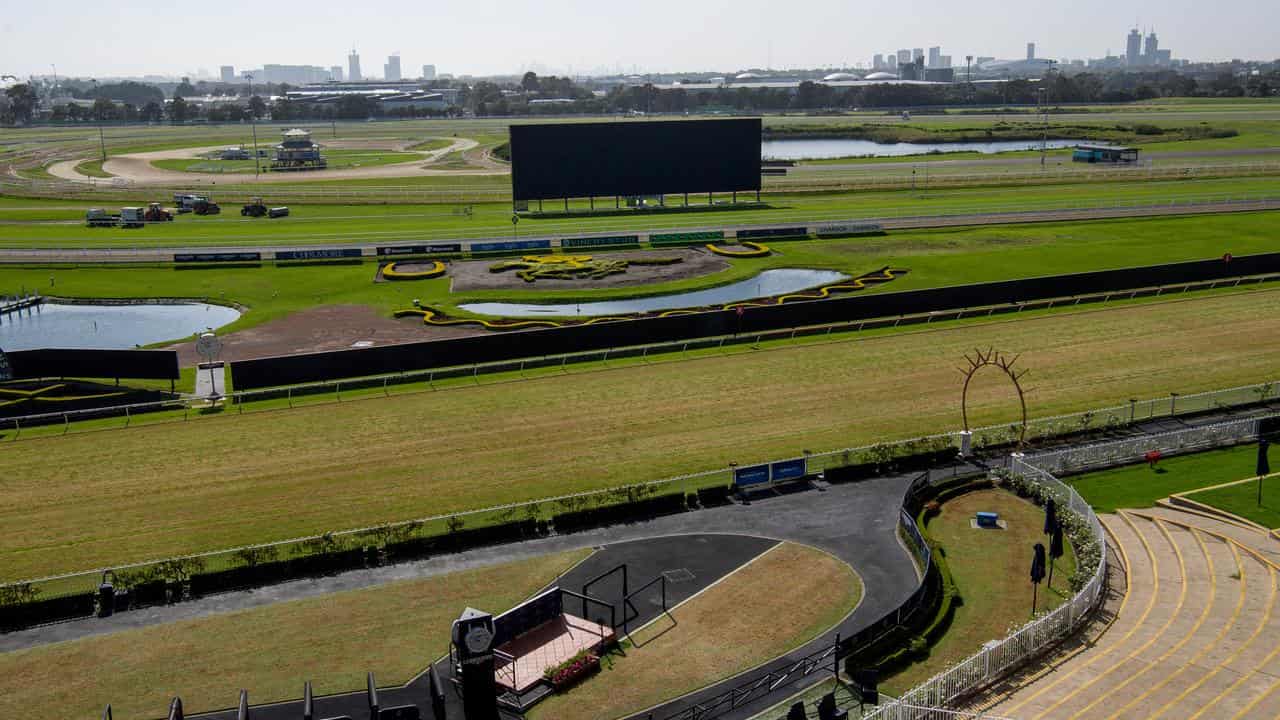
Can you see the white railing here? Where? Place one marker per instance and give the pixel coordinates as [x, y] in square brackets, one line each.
[1131, 450]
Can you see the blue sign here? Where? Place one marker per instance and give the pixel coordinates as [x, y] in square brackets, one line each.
[420, 249]
[754, 475]
[217, 257]
[510, 245]
[321, 254]
[787, 470]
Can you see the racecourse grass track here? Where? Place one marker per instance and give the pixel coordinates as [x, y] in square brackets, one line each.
[716, 635]
[31, 223]
[392, 630]
[935, 257]
[232, 480]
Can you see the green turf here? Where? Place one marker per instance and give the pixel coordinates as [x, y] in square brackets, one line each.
[989, 570]
[1242, 499]
[337, 160]
[1139, 486]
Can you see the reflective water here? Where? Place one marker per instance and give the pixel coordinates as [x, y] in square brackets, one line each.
[107, 327]
[819, 149]
[767, 284]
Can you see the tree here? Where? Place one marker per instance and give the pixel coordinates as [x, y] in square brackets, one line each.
[179, 110]
[22, 102]
[151, 112]
[257, 107]
[184, 89]
[529, 82]
[104, 109]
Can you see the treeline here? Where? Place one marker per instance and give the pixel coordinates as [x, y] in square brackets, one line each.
[533, 95]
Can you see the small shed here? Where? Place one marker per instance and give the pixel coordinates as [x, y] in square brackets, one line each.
[1104, 154]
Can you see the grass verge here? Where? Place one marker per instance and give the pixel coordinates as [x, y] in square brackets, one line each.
[796, 593]
[1140, 486]
[1243, 499]
[394, 630]
[989, 569]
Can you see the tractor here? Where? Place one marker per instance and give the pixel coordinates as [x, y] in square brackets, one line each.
[155, 213]
[254, 208]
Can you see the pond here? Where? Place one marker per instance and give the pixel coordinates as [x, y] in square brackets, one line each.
[107, 327]
[819, 149]
[767, 284]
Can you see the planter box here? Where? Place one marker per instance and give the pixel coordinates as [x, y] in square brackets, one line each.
[579, 670]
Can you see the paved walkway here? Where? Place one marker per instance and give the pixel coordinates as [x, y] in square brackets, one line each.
[1195, 636]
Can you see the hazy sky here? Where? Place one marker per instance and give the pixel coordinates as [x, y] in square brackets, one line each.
[92, 37]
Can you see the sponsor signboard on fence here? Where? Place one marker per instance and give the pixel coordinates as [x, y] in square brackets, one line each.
[217, 257]
[420, 249]
[847, 228]
[601, 241]
[5, 372]
[318, 254]
[755, 475]
[761, 477]
[510, 245]
[686, 238]
[763, 233]
[787, 470]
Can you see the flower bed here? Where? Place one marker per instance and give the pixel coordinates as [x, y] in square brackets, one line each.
[390, 272]
[753, 250]
[572, 671]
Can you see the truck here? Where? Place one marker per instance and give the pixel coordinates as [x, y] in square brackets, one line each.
[97, 217]
[132, 217]
[198, 204]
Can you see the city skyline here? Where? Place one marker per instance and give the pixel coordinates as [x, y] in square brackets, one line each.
[755, 35]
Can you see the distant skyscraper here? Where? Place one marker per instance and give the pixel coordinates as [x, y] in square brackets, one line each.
[893, 63]
[391, 71]
[1031, 51]
[353, 67]
[228, 73]
[877, 63]
[1133, 48]
[335, 73]
[1151, 52]
[917, 54]
[935, 57]
[428, 72]
[904, 56]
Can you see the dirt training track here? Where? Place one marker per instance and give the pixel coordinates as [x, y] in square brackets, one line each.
[137, 168]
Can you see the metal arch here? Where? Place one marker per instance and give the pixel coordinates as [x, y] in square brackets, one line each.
[993, 358]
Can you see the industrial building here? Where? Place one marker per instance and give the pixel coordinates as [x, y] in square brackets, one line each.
[296, 151]
[391, 70]
[390, 95]
[1104, 154]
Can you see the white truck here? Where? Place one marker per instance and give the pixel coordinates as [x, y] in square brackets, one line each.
[132, 217]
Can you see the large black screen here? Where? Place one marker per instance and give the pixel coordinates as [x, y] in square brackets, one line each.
[634, 158]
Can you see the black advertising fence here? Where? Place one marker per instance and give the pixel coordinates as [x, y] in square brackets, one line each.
[143, 364]
[497, 347]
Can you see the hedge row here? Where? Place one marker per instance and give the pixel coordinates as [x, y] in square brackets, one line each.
[576, 520]
[39, 612]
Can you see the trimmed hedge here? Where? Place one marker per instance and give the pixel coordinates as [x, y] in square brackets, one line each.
[68, 607]
[576, 520]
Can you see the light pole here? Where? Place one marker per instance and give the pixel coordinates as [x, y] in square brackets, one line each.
[253, 119]
[102, 139]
